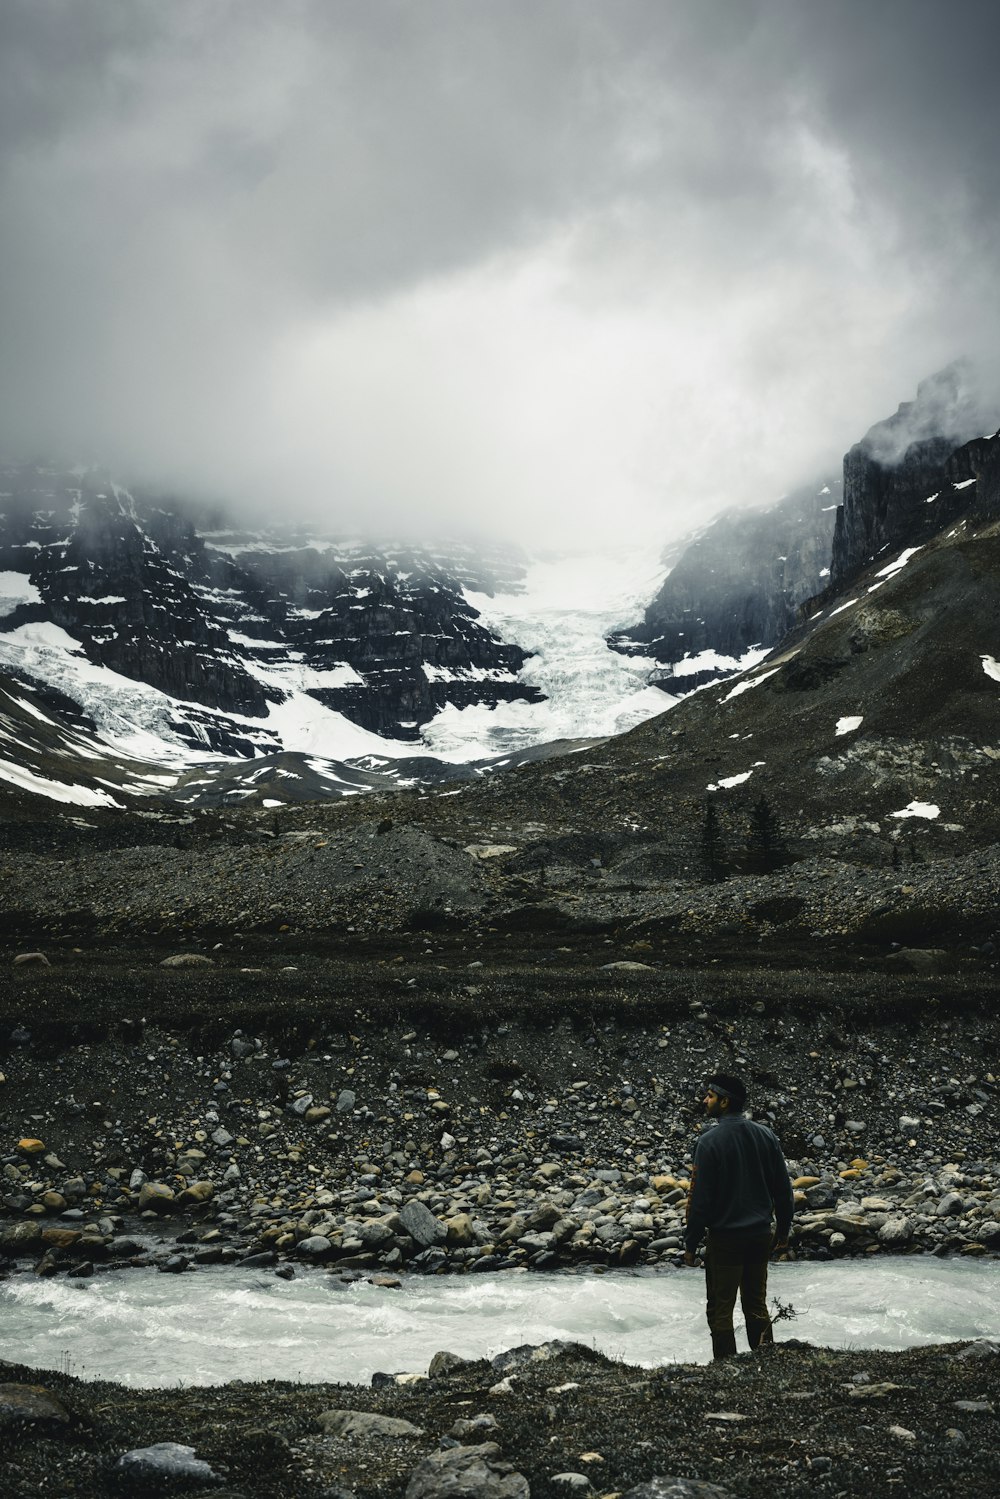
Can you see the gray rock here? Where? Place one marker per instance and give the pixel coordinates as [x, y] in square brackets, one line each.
[537, 1243]
[346, 1099]
[36, 958]
[315, 1247]
[421, 1225]
[341, 1423]
[125, 1246]
[445, 1363]
[677, 1488]
[467, 1473]
[300, 1105]
[163, 1466]
[470, 1426]
[921, 960]
[981, 1348]
[574, 1483]
[533, 1353]
[156, 1197]
[949, 1205]
[30, 1405]
[20, 1238]
[375, 1233]
[897, 1229]
[186, 960]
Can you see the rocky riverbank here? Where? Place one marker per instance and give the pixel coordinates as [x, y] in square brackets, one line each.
[445, 1118]
[431, 1110]
[551, 1421]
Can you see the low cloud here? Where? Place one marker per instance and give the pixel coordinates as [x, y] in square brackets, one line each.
[558, 270]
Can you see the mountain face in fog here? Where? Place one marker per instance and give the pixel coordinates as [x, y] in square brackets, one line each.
[179, 642]
[385, 638]
[738, 585]
[904, 479]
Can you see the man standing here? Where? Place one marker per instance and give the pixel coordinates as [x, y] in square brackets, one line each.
[739, 1177]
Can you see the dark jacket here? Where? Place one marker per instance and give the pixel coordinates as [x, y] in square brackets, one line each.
[739, 1177]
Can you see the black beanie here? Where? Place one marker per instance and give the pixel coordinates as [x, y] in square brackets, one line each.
[733, 1088]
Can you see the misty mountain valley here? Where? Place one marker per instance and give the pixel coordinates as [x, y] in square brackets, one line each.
[499, 756]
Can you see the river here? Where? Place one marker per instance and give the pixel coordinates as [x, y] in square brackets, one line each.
[144, 1328]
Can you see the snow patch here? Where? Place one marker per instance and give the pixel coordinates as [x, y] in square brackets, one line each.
[466, 673]
[15, 589]
[710, 660]
[57, 791]
[725, 782]
[919, 809]
[991, 666]
[849, 724]
[745, 685]
[892, 568]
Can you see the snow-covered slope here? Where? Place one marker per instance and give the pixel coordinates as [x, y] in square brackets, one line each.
[561, 616]
[234, 662]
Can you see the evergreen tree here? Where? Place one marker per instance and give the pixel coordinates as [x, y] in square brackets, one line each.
[712, 850]
[766, 847]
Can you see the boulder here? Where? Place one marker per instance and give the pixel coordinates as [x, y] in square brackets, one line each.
[921, 960]
[187, 960]
[677, 1488]
[460, 1230]
[315, 1247]
[446, 1363]
[156, 1197]
[30, 1405]
[165, 1465]
[197, 1193]
[467, 1473]
[61, 1238]
[421, 1225]
[20, 1238]
[342, 1423]
[897, 1229]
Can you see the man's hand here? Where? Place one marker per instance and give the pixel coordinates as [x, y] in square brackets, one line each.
[779, 1249]
[689, 1257]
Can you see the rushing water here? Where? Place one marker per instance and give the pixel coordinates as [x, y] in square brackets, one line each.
[144, 1328]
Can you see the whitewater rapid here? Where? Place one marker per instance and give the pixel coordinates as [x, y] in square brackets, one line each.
[143, 1328]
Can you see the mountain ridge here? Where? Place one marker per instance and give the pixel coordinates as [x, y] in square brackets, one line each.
[277, 616]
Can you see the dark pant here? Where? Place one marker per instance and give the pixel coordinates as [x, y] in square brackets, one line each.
[737, 1263]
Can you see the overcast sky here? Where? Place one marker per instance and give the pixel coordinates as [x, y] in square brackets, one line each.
[566, 269]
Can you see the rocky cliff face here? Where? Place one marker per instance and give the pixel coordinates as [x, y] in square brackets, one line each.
[384, 637]
[741, 582]
[907, 477]
[737, 585]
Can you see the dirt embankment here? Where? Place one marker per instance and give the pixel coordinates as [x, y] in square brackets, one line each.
[537, 1113]
[426, 1109]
